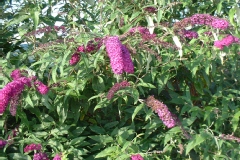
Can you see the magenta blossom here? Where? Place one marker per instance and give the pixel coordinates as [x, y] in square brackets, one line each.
[116, 87]
[169, 119]
[40, 156]
[74, 59]
[2, 143]
[32, 147]
[136, 157]
[57, 157]
[42, 88]
[114, 50]
[226, 41]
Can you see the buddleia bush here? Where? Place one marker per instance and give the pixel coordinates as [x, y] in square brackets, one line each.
[122, 80]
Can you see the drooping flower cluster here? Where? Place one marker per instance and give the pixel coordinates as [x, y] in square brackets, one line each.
[40, 156]
[46, 30]
[190, 34]
[151, 9]
[116, 87]
[202, 19]
[168, 118]
[144, 32]
[11, 92]
[57, 157]
[42, 88]
[136, 157]
[120, 59]
[32, 147]
[229, 137]
[2, 143]
[92, 45]
[226, 41]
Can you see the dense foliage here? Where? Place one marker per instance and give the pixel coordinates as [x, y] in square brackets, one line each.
[120, 79]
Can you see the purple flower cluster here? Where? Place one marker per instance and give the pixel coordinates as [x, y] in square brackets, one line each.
[150, 9]
[120, 59]
[226, 41]
[40, 156]
[92, 45]
[11, 92]
[136, 157]
[2, 143]
[169, 119]
[57, 157]
[116, 87]
[202, 19]
[206, 19]
[32, 147]
[146, 35]
[42, 88]
[190, 34]
[74, 59]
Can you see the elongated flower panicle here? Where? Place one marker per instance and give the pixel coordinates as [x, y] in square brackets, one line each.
[11, 92]
[127, 61]
[32, 147]
[136, 157]
[226, 41]
[114, 51]
[144, 32]
[203, 19]
[40, 156]
[74, 59]
[17, 73]
[169, 119]
[2, 143]
[42, 88]
[116, 87]
[151, 9]
[57, 157]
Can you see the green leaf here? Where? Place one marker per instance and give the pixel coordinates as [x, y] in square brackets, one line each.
[196, 140]
[103, 139]
[35, 16]
[159, 15]
[77, 140]
[102, 104]
[107, 151]
[149, 60]
[91, 2]
[62, 110]
[17, 20]
[231, 16]
[19, 156]
[134, 15]
[98, 84]
[235, 121]
[29, 101]
[97, 129]
[149, 85]
[137, 109]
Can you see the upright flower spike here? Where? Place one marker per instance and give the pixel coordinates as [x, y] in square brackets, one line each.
[114, 51]
[169, 119]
